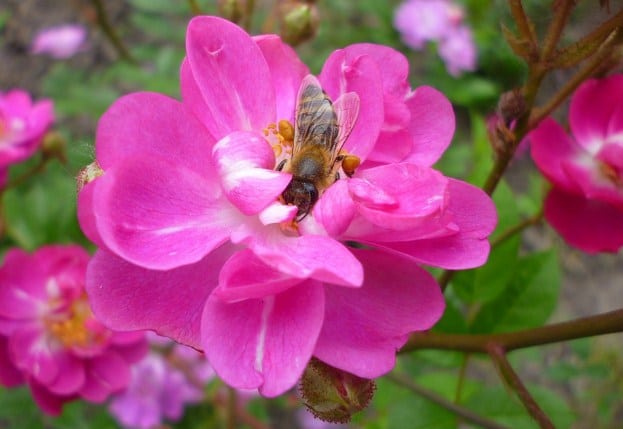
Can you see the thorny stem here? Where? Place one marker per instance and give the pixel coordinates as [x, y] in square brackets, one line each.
[601, 324]
[110, 32]
[498, 355]
[525, 27]
[460, 411]
[580, 76]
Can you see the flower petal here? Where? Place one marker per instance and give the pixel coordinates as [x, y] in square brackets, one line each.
[550, 146]
[222, 58]
[245, 276]
[432, 125]
[48, 402]
[592, 107]
[344, 72]
[590, 225]
[146, 124]
[245, 162]
[106, 374]
[335, 209]
[127, 297]
[71, 375]
[364, 327]
[160, 215]
[286, 72]
[10, 376]
[264, 343]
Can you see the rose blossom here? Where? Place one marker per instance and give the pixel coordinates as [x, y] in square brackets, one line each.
[184, 203]
[48, 335]
[60, 42]
[585, 205]
[22, 126]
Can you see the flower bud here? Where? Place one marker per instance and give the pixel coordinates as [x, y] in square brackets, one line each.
[298, 21]
[333, 395]
[53, 146]
[511, 106]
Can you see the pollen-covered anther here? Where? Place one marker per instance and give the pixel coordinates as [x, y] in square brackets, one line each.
[286, 130]
[277, 148]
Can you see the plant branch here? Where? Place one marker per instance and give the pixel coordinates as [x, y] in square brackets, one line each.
[194, 7]
[36, 169]
[232, 408]
[524, 25]
[580, 76]
[601, 324]
[555, 29]
[498, 355]
[110, 32]
[460, 411]
[508, 233]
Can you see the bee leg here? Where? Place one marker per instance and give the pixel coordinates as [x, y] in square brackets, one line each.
[337, 176]
[281, 165]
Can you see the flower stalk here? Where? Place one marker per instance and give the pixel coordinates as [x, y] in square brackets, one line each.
[109, 30]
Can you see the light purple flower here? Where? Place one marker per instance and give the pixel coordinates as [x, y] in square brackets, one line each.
[161, 387]
[441, 21]
[60, 42]
[22, 126]
[458, 51]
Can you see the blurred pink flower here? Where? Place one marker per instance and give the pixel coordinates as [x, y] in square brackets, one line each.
[195, 243]
[48, 335]
[60, 42]
[441, 21]
[585, 205]
[22, 126]
[162, 383]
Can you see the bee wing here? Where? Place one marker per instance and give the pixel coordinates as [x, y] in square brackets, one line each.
[315, 117]
[347, 110]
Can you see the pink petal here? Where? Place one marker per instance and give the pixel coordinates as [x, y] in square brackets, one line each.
[308, 256]
[21, 280]
[32, 353]
[159, 215]
[591, 110]
[245, 162]
[127, 297]
[395, 142]
[473, 212]
[152, 124]
[48, 402]
[71, 375]
[245, 276]
[264, 343]
[106, 374]
[590, 225]
[86, 216]
[286, 72]
[221, 56]
[550, 145]
[10, 376]
[364, 327]
[432, 125]
[344, 72]
[335, 209]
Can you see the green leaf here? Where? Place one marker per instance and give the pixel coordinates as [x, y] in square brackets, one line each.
[529, 299]
[505, 408]
[18, 410]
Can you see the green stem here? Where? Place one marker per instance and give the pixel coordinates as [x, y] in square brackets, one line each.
[601, 324]
[460, 411]
[248, 15]
[498, 355]
[232, 408]
[194, 7]
[461, 381]
[110, 32]
[36, 169]
[508, 233]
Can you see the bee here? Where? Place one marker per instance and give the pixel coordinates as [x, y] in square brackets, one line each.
[320, 129]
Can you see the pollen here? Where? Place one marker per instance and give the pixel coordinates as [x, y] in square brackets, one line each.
[75, 328]
[286, 130]
[610, 173]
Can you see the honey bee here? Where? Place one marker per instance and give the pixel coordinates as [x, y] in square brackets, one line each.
[320, 129]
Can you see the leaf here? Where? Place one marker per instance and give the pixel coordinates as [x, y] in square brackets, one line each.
[529, 299]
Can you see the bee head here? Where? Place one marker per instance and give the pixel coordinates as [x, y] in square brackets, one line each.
[302, 194]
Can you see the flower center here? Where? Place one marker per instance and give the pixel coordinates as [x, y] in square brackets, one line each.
[77, 327]
[611, 173]
[281, 138]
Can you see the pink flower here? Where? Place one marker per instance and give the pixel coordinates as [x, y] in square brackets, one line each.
[22, 126]
[420, 21]
[48, 335]
[585, 205]
[160, 388]
[196, 244]
[60, 42]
